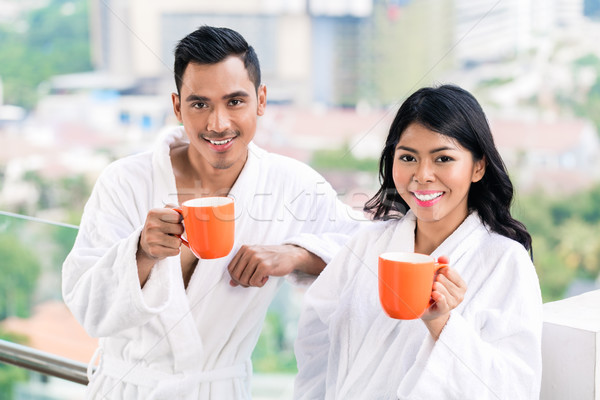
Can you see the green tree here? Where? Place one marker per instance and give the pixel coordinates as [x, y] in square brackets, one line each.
[342, 159]
[63, 239]
[49, 41]
[271, 354]
[20, 270]
[565, 240]
[9, 374]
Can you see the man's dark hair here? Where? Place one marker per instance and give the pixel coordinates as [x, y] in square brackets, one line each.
[210, 45]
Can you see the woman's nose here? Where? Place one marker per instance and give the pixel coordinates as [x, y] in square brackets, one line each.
[424, 173]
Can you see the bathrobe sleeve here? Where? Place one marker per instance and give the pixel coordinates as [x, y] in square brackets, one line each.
[491, 348]
[327, 223]
[312, 346]
[100, 281]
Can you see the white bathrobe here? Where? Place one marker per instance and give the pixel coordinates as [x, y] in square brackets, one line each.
[348, 348]
[165, 341]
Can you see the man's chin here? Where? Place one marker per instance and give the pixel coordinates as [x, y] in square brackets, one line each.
[222, 165]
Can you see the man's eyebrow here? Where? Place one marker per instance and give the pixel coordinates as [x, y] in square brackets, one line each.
[195, 97]
[239, 93]
[204, 99]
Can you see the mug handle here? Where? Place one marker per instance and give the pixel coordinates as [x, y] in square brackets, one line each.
[180, 211]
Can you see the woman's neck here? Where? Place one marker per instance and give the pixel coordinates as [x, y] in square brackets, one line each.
[430, 235]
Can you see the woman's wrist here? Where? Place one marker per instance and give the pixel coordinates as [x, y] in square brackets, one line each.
[436, 325]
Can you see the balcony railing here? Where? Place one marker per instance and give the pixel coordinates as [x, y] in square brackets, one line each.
[42, 362]
[570, 350]
[569, 371]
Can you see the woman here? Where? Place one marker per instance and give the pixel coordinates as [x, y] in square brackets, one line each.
[445, 192]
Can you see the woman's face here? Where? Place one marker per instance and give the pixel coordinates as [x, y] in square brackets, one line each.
[433, 174]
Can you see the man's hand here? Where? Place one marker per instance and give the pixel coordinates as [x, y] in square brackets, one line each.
[252, 265]
[157, 240]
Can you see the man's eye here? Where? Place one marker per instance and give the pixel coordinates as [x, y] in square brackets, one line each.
[235, 102]
[199, 105]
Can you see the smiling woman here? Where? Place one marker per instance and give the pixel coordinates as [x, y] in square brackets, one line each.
[433, 174]
[480, 337]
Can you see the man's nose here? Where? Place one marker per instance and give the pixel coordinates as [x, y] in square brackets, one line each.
[218, 121]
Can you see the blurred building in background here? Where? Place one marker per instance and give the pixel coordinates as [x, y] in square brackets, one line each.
[336, 72]
[334, 53]
[331, 52]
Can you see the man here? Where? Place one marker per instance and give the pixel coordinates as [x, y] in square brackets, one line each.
[173, 326]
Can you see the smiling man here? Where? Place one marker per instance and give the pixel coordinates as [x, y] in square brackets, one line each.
[173, 326]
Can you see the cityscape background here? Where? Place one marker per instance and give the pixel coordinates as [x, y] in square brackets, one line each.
[84, 82]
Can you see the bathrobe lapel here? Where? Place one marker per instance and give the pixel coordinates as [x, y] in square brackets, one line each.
[178, 321]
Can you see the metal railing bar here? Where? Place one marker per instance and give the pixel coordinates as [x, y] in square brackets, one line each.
[36, 219]
[43, 362]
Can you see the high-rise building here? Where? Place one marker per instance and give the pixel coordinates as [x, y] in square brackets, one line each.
[335, 52]
[137, 38]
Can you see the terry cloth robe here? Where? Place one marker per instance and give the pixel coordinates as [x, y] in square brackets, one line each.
[165, 341]
[348, 348]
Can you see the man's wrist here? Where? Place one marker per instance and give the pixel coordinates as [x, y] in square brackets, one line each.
[306, 261]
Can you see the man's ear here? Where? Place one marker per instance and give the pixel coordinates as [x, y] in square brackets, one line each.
[479, 169]
[176, 106]
[262, 100]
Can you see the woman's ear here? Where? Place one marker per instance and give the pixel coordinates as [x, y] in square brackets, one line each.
[479, 169]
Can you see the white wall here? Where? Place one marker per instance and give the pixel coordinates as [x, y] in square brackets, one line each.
[571, 348]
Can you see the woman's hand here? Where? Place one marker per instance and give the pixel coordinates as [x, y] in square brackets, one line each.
[448, 292]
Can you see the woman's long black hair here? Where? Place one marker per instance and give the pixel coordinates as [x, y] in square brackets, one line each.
[453, 112]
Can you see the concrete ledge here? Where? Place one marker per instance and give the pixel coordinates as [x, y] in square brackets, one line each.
[571, 348]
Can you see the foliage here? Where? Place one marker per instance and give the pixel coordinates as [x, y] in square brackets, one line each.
[343, 159]
[9, 374]
[590, 104]
[271, 353]
[69, 193]
[49, 41]
[63, 239]
[495, 82]
[20, 270]
[565, 240]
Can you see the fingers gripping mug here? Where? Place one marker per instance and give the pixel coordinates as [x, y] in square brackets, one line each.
[405, 283]
[209, 226]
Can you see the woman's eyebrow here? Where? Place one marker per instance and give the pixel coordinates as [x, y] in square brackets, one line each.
[436, 150]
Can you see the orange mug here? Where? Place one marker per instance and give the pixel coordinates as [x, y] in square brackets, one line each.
[209, 226]
[406, 283]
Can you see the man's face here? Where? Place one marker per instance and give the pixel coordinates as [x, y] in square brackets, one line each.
[218, 106]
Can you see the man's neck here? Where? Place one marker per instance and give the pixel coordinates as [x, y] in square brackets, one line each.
[195, 178]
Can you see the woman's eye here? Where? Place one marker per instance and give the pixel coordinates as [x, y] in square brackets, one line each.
[406, 158]
[444, 159]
